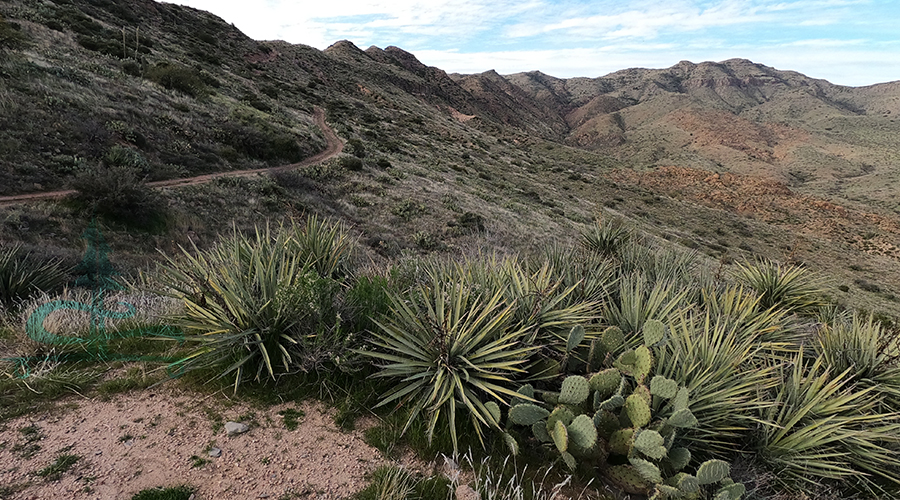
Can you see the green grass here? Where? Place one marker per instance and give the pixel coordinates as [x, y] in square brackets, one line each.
[60, 466]
[165, 493]
[291, 418]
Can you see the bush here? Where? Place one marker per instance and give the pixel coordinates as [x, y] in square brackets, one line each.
[352, 163]
[118, 192]
[176, 77]
[10, 35]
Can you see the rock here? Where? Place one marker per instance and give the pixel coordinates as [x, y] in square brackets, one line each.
[465, 492]
[235, 428]
[215, 452]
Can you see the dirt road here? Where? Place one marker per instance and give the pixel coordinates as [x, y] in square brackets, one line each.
[333, 148]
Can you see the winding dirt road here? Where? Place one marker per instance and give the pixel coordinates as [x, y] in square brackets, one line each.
[333, 148]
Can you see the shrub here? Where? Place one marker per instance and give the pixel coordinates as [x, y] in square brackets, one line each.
[351, 163]
[176, 77]
[118, 192]
[10, 35]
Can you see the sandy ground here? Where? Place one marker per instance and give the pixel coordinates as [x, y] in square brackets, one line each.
[152, 438]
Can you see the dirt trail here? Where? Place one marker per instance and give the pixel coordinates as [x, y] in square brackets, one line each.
[333, 148]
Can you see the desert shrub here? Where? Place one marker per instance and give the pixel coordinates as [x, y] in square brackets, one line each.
[261, 141]
[23, 275]
[351, 163]
[118, 192]
[176, 77]
[170, 493]
[11, 36]
[356, 148]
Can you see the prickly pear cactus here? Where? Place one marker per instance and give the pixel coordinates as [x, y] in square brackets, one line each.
[621, 412]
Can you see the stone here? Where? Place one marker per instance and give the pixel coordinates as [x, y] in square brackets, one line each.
[215, 452]
[235, 428]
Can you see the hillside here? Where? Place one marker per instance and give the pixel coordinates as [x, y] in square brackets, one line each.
[735, 159]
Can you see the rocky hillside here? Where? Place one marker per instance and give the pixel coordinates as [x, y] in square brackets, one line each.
[438, 162]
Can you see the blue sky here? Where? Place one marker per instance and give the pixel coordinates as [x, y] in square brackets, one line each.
[848, 42]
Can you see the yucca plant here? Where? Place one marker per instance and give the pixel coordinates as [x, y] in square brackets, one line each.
[737, 307]
[326, 246]
[820, 427]
[637, 301]
[449, 351]
[22, 275]
[789, 287]
[716, 362]
[254, 306]
[607, 236]
[592, 275]
[868, 352]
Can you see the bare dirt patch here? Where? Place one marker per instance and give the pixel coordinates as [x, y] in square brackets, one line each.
[163, 437]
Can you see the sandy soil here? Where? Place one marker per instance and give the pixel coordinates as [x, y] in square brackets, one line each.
[154, 437]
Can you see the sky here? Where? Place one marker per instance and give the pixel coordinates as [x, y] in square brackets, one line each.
[847, 42]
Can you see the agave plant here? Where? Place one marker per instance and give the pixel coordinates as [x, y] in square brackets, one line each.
[608, 236]
[22, 276]
[326, 246]
[450, 350]
[255, 306]
[789, 287]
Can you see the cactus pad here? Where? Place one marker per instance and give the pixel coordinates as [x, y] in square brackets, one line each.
[615, 402]
[527, 392]
[712, 471]
[654, 332]
[582, 432]
[683, 418]
[550, 397]
[638, 410]
[679, 458]
[644, 363]
[685, 483]
[560, 436]
[612, 339]
[648, 470]
[576, 335]
[511, 444]
[667, 491]
[621, 441]
[494, 411]
[595, 355]
[606, 382]
[627, 479]
[731, 492]
[681, 399]
[606, 423]
[570, 461]
[562, 414]
[574, 391]
[643, 392]
[539, 429]
[527, 414]
[650, 443]
[663, 387]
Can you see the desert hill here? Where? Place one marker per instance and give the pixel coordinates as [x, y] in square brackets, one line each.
[735, 159]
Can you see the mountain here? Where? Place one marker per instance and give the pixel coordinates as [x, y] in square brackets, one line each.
[735, 159]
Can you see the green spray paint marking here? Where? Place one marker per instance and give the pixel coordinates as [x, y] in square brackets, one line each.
[97, 274]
